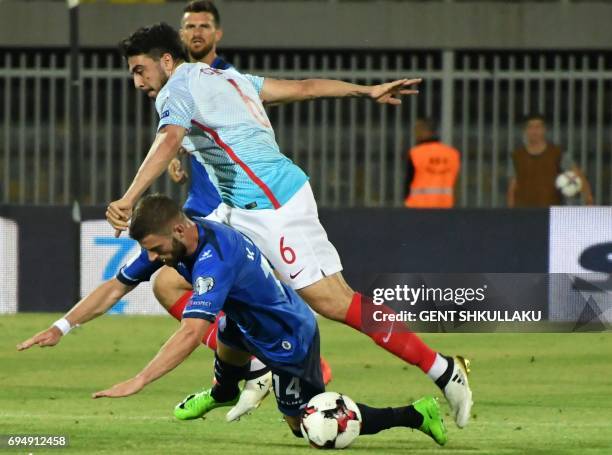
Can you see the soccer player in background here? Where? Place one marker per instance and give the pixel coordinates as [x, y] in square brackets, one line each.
[263, 317]
[218, 115]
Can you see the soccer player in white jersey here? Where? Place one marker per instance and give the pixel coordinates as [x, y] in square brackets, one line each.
[218, 117]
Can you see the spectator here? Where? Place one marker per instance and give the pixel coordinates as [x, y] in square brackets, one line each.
[537, 164]
[432, 169]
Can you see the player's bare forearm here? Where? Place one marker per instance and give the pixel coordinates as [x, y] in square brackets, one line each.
[184, 341]
[177, 348]
[164, 148]
[277, 91]
[90, 307]
[98, 302]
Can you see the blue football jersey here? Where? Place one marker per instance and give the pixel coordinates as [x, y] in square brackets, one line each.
[138, 269]
[228, 273]
[203, 197]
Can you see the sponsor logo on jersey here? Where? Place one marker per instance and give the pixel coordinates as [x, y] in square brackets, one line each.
[196, 304]
[164, 114]
[203, 285]
[206, 255]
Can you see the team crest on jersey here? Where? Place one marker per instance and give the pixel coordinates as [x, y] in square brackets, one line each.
[286, 345]
[203, 285]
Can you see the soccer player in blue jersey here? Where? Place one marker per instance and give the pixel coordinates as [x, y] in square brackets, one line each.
[263, 317]
[257, 376]
[218, 117]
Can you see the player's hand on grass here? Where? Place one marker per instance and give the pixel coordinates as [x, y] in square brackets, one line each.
[390, 92]
[49, 337]
[118, 214]
[176, 171]
[123, 389]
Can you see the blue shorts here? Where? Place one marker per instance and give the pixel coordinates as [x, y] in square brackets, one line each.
[294, 384]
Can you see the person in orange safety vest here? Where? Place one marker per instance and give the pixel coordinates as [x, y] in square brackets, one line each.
[433, 168]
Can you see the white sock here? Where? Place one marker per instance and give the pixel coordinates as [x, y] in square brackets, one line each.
[438, 368]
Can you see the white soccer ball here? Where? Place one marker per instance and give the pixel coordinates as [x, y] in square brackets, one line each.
[569, 183]
[331, 421]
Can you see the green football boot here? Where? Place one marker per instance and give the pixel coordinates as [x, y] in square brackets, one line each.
[433, 425]
[197, 405]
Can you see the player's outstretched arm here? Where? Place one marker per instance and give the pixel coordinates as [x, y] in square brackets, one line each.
[164, 148]
[93, 305]
[279, 91]
[184, 341]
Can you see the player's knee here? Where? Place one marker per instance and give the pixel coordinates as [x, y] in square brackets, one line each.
[166, 287]
[331, 297]
[160, 286]
[330, 308]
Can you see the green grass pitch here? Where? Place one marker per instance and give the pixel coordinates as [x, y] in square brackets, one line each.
[534, 393]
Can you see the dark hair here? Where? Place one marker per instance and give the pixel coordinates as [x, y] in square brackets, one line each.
[154, 41]
[428, 122]
[152, 215]
[203, 6]
[530, 117]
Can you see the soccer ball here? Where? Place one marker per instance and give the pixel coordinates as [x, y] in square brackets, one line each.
[331, 421]
[568, 183]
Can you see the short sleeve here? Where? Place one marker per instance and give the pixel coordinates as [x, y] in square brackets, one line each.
[257, 81]
[177, 107]
[212, 282]
[138, 269]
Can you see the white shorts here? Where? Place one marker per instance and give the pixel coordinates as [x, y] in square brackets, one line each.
[291, 237]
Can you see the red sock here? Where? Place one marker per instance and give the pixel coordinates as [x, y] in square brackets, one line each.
[396, 339]
[176, 310]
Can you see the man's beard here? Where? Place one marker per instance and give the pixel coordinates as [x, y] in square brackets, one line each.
[152, 93]
[200, 54]
[179, 251]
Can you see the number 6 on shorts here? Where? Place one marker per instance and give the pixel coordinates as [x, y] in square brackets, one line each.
[287, 253]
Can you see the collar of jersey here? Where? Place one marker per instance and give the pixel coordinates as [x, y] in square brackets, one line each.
[189, 260]
[183, 66]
